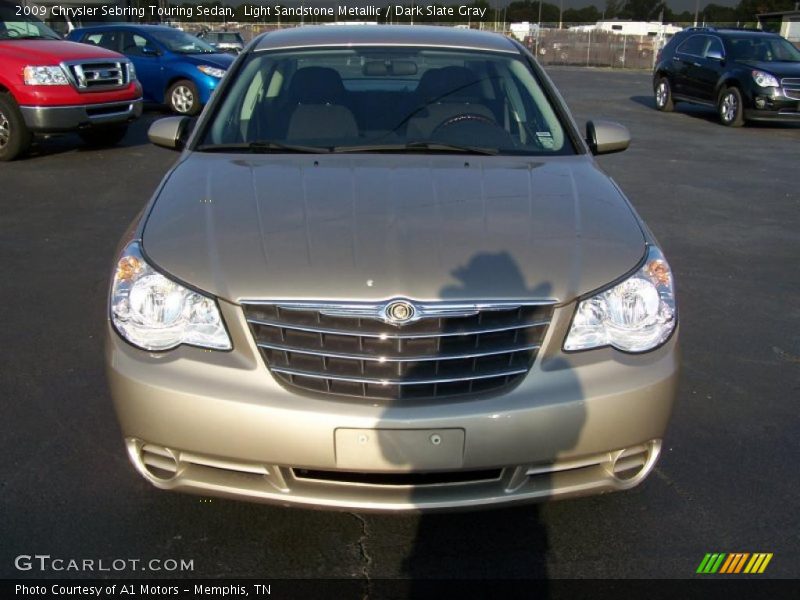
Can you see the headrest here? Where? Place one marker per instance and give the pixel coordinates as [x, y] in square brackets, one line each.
[448, 83]
[316, 85]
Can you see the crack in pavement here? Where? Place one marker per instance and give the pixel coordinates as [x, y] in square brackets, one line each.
[362, 549]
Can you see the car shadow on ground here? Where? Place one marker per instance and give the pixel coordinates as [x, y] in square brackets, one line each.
[53, 145]
[709, 114]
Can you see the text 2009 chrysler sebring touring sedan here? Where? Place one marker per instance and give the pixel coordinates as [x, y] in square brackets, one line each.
[386, 273]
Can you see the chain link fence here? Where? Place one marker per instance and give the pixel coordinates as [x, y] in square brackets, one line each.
[595, 48]
[552, 46]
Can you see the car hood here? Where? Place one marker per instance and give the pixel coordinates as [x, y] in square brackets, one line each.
[780, 69]
[220, 59]
[52, 52]
[374, 227]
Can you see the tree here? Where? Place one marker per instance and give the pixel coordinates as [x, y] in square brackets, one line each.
[643, 10]
[589, 14]
[613, 8]
[747, 10]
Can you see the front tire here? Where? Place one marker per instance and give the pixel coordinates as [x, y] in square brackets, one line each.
[103, 137]
[15, 138]
[663, 93]
[730, 107]
[183, 98]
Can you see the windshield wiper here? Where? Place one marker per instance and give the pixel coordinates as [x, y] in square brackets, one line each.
[419, 146]
[263, 147]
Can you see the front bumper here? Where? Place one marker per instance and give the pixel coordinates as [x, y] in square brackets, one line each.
[217, 423]
[775, 105]
[55, 119]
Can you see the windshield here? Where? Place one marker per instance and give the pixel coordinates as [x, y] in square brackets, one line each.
[181, 42]
[224, 38]
[13, 27]
[763, 49]
[387, 99]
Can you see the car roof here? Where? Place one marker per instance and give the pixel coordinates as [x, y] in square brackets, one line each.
[724, 31]
[384, 35]
[135, 26]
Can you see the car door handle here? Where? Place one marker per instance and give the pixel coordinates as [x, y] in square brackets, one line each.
[676, 59]
[697, 64]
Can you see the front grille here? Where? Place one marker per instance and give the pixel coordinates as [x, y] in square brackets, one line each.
[350, 350]
[98, 76]
[791, 87]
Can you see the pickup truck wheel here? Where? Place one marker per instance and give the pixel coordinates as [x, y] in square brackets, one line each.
[14, 135]
[105, 136]
[183, 98]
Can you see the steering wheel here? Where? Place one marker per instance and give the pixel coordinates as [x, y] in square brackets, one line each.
[464, 118]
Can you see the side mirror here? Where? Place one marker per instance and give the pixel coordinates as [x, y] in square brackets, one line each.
[170, 132]
[605, 137]
[715, 55]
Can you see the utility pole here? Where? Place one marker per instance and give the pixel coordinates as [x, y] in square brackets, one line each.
[539, 30]
[561, 14]
[696, 11]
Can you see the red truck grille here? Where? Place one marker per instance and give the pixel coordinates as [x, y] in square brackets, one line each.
[98, 76]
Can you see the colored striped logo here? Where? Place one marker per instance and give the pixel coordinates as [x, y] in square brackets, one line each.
[737, 562]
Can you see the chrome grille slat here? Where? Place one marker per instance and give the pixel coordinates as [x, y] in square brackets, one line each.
[89, 75]
[394, 336]
[373, 357]
[399, 382]
[448, 349]
[791, 87]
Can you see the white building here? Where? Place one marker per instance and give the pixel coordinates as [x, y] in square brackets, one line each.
[523, 30]
[649, 28]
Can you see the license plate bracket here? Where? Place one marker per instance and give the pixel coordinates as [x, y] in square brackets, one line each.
[399, 450]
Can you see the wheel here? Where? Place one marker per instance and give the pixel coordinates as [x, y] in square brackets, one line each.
[183, 98]
[729, 106]
[663, 93]
[15, 138]
[104, 136]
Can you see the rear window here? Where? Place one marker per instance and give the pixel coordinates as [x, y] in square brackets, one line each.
[370, 97]
[229, 38]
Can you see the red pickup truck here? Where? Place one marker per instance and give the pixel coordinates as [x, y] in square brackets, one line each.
[48, 85]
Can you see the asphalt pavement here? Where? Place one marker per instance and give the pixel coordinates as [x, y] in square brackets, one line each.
[725, 205]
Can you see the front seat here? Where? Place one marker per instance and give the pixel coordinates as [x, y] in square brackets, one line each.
[319, 107]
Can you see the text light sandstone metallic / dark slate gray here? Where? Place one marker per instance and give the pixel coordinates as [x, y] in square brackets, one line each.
[387, 274]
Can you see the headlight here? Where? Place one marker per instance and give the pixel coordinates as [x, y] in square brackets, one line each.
[131, 72]
[155, 313]
[763, 79]
[45, 76]
[213, 71]
[634, 316]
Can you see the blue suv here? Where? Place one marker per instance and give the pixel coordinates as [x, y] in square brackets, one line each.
[174, 68]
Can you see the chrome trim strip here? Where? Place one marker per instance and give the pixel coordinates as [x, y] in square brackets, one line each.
[394, 336]
[419, 310]
[396, 359]
[401, 382]
[346, 45]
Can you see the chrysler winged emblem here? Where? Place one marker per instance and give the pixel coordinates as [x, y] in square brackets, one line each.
[398, 312]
